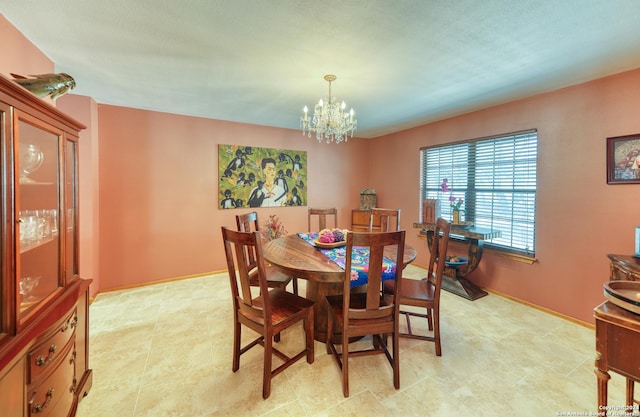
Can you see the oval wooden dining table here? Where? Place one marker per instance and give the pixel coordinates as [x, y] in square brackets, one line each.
[295, 257]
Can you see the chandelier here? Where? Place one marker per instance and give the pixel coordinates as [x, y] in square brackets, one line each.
[330, 122]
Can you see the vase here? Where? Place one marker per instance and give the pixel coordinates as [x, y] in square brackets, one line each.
[456, 217]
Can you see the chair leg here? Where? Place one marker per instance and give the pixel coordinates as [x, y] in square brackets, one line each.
[345, 364]
[396, 358]
[295, 285]
[237, 329]
[266, 372]
[308, 329]
[436, 331]
[329, 333]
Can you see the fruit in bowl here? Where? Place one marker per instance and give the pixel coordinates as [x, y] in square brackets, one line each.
[331, 235]
[331, 238]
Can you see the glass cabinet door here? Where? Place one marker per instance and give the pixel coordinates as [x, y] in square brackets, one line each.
[6, 223]
[70, 207]
[38, 209]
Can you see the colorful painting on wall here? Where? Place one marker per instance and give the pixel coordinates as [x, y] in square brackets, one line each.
[261, 177]
[623, 159]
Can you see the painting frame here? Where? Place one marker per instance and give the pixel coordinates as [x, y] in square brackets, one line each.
[253, 177]
[623, 159]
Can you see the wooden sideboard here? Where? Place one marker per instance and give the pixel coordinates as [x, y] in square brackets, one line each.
[360, 221]
[624, 267]
[617, 339]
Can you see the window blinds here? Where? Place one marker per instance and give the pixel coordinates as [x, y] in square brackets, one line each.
[496, 178]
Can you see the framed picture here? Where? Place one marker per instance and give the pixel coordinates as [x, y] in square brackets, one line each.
[637, 253]
[261, 177]
[623, 159]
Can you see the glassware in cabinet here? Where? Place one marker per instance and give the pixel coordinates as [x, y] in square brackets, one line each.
[38, 269]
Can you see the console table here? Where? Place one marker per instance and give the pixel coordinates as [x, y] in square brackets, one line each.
[454, 279]
[617, 341]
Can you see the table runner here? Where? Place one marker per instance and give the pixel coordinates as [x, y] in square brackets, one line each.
[359, 260]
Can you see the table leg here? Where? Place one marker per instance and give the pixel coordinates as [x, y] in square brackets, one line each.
[630, 394]
[456, 283]
[316, 291]
[603, 380]
[462, 287]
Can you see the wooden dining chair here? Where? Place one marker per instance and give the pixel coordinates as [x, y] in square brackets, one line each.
[322, 214]
[425, 293]
[248, 222]
[267, 314]
[366, 313]
[389, 219]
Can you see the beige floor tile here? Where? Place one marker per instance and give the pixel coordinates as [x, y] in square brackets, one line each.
[165, 350]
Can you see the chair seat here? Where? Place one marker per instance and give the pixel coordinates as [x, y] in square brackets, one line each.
[275, 278]
[285, 306]
[357, 301]
[421, 291]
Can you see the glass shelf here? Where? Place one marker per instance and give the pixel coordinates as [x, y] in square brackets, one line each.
[25, 247]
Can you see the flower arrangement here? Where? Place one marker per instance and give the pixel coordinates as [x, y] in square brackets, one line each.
[455, 203]
[273, 228]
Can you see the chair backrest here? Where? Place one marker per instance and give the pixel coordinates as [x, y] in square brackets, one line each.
[248, 222]
[389, 219]
[322, 214]
[236, 246]
[438, 256]
[376, 242]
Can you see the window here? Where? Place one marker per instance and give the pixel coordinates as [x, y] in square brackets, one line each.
[496, 178]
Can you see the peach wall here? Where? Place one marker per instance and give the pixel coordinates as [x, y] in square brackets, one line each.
[580, 219]
[158, 190]
[19, 55]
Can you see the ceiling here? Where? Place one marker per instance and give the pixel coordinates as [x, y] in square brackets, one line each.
[399, 63]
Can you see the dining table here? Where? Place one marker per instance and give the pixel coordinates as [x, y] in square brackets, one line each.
[299, 258]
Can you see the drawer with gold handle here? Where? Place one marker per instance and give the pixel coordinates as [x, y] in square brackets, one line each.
[44, 355]
[55, 392]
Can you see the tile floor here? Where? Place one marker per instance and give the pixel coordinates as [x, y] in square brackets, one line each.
[165, 350]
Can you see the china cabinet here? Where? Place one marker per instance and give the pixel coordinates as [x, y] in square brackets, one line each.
[44, 304]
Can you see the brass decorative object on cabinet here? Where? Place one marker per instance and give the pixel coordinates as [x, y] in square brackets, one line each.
[44, 305]
[42, 85]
